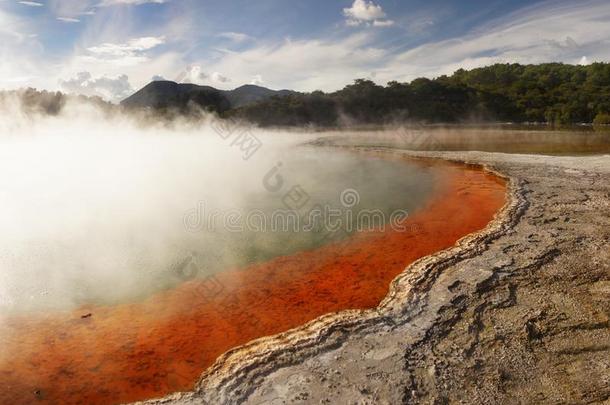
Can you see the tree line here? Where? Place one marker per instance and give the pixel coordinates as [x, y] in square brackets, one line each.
[32, 102]
[552, 93]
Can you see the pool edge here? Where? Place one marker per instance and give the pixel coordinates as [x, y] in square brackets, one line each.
[406, 295]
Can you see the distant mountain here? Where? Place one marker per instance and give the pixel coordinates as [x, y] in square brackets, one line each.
[249, 94]
[167, 94]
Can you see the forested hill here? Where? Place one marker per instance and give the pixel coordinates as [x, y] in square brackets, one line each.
[554, 93]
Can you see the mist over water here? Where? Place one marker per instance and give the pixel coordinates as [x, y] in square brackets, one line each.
[93, 209]
[572, 141]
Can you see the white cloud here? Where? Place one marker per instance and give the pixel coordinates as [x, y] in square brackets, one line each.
[158, 78]
[139, 68]
[130, 53]
[584, 61]
[105, 3]
[383, 23]
[130, 48]
[74, 8]
[195, 74]
[31, 3]
[257, 80]
[111, 88]
[363, 12]
[68, 19]
[10, 27]
[234, 36]
[192, 74]
[219, 78]
[69, 8]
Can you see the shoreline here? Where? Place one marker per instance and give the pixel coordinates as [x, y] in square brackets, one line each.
[244, 366]
[449, 301]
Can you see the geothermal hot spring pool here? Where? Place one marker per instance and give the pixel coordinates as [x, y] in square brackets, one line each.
[130, 260]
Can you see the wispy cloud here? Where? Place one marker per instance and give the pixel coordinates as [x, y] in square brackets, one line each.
[68, 19]
[69, 8]
[105, 3]
[234, 36]
[19, 51]
[31, 3]
[304, 64]
[74, 8]
[550, 32]
[133, 47]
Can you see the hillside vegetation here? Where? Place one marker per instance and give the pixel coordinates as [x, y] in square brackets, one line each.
[555, 93]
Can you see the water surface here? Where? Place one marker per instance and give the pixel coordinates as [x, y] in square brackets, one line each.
[139, 348]
[507, 139]
[89, 231]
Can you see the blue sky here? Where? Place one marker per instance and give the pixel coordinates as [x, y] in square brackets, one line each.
[111, 47]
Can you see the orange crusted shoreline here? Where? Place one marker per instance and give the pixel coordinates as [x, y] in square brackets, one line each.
[149, 349]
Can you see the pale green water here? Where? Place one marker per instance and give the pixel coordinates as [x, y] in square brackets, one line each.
[322, 176]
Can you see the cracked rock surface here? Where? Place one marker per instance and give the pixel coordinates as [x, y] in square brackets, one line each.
[516, 314]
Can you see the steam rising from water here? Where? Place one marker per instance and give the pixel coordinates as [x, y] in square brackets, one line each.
[92, 208]
[86, 201]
